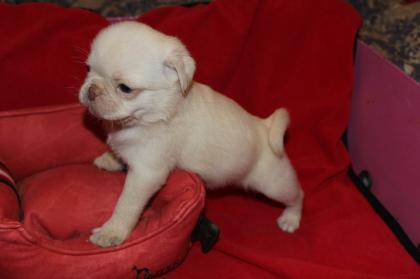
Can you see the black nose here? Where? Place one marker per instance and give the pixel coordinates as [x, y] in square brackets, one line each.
[93, 92]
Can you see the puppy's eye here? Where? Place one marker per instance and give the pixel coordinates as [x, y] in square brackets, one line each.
[124, 88]
[88, 68]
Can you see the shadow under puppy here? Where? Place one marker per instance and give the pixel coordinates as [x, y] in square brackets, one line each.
[142, 80]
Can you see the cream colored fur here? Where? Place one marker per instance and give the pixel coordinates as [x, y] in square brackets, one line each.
[168, 121]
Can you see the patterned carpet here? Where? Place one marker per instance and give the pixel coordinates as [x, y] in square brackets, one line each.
[116, 8]
[392, 27]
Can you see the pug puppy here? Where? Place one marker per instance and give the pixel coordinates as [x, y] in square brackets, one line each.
[142, 80]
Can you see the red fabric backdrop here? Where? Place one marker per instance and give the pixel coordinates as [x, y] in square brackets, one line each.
[42, 53]
[264, 54]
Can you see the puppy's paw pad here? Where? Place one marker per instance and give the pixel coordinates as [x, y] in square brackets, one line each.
[289, 222]
[106, 237]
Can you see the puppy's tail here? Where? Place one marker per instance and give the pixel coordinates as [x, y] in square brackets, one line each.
[277, 125]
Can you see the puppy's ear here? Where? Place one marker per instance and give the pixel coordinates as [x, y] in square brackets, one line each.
[180, 61]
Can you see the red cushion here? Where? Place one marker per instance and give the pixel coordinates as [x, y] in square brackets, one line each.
[63, 204]
[264, 54]
[66, 202]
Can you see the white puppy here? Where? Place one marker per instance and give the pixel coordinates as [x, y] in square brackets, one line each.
[141, 80]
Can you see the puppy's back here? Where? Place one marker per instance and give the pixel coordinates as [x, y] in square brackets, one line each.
[216, 137]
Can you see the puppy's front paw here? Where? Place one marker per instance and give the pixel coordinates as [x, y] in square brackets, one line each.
[108, 235]
[289, 220]
[107, 161]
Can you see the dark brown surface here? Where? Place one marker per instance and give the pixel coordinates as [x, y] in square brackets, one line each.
[115, 8]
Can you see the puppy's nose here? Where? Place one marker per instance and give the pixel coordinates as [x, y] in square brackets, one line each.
[93, 92]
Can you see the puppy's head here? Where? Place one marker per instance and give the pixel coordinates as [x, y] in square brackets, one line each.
[136, 72]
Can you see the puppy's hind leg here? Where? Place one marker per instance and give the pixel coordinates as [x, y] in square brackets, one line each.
[279, 183]
[289, 220]
[108, 161]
